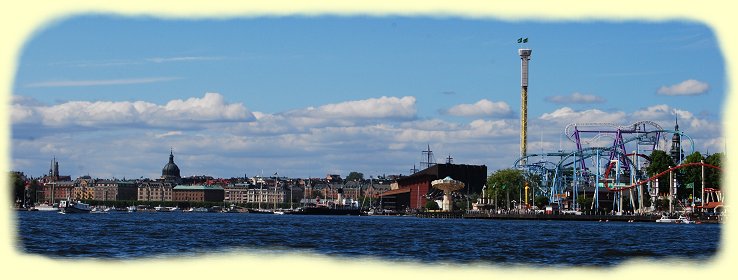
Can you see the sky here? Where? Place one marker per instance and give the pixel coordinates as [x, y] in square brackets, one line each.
[109, 96]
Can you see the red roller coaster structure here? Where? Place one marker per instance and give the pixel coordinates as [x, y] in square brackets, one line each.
[609, 167]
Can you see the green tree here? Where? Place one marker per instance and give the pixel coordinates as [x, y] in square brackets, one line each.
[660, 161]
[690, 175]
[541, 201]
[355, 176]
[505, 185]
[19, 187]
[585, 203]
[431, 205]
[713, 177]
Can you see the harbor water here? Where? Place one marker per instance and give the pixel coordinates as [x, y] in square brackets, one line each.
[123, 236]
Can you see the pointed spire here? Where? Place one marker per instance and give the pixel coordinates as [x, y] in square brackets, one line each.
[676, 122]
[171, 155]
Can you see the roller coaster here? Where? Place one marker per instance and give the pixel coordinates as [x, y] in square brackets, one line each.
[607, 157]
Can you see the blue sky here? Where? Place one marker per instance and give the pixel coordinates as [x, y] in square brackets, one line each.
[306, 96]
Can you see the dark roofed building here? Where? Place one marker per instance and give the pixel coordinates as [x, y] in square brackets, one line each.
[170, 172]
[413, 189]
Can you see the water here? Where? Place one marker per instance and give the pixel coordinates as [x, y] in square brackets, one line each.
[498, 242]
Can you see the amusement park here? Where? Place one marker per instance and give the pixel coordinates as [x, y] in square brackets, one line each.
[614, 170]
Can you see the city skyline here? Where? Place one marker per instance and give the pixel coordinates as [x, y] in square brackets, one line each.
[308, 96]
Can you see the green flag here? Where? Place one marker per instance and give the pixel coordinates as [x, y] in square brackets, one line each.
[690, 186]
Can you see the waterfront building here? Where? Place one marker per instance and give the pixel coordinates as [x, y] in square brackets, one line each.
[155, 191]
[58, 190]
[198, 193]
[84, 188]
[412, 190]
[264, 194]
[111, 190]
[56, 187]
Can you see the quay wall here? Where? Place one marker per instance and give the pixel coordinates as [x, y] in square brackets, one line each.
[524, 216]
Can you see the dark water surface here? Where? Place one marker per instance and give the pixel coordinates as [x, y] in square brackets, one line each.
[548, 243]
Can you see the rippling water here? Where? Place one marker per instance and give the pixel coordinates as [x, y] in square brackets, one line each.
[552, 243]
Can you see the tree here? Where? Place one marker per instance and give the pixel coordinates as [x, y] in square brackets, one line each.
[713, 176]
[660, 161]
[505, 185]
[355, 176]
[585, 203]
[19, 187]
[541, 201]
[690, 175]
[431, 205]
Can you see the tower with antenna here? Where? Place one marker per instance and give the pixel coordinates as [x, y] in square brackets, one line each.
[524, 57]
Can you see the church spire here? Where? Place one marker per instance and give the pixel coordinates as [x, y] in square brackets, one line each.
[171, 155]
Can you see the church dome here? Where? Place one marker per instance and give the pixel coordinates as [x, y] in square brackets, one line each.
[171, 170]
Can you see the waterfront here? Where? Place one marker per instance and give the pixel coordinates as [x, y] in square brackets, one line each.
[125, 236]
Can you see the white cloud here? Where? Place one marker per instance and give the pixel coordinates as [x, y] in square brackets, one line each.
[176, 113]
[483, 107]
[372, 108]
[688, 87]
[568, 115]
[575, 97]
[168, 133]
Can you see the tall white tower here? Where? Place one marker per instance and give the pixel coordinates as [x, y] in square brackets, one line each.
[524, 57]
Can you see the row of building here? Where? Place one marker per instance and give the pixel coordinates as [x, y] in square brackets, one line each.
[397, 192]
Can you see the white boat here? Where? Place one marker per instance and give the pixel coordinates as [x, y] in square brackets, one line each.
[66, 206]
[162, 209]
[680, 220]
[46, 207]
[131, 208]
[197, 209]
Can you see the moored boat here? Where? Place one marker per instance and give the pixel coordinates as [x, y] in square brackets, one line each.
[45, 207]
[67, 206]
[679, 220]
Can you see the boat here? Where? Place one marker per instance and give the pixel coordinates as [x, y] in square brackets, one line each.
[131, 209]
[325, 210]
[198, 209]
[67, 206]
[680, 220]
[162, 209]
[258, 211]
[45, 207]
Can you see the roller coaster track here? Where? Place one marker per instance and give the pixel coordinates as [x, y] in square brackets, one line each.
[609, 167]
[570, 134]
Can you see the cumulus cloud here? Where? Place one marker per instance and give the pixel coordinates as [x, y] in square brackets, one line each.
[483, 107]
[347, 113]
[569, 115]
[575, 97]
[372, 108]
[688, 87]
[176, 113]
